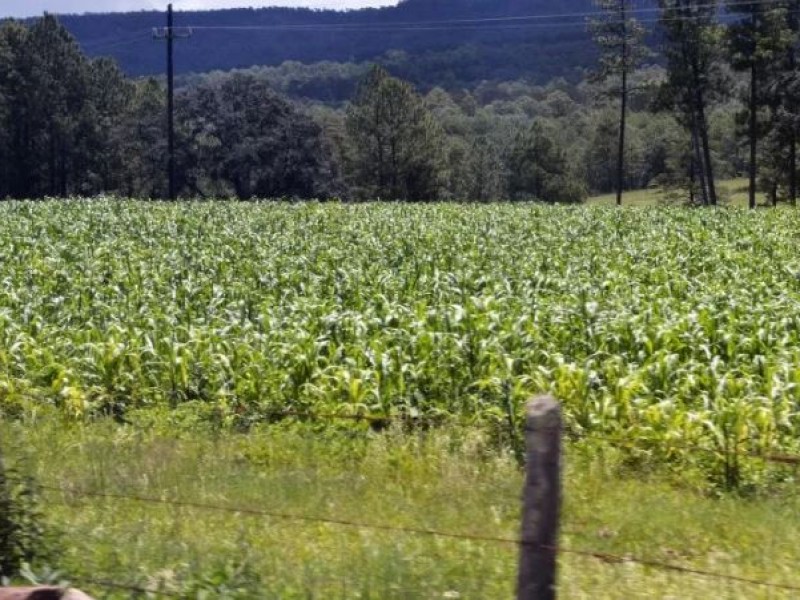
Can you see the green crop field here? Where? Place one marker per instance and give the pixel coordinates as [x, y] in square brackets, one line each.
[131, 329]
[657, 324]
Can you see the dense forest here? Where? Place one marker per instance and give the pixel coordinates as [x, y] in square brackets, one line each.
[429, 42]
[712, 99]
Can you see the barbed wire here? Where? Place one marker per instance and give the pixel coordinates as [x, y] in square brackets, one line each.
[409, 419]
[603, 556]
[785, 459]
[128, 587]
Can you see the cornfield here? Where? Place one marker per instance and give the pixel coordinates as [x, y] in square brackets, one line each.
[667, 327]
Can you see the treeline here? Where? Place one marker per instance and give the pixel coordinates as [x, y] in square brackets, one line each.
[76, 126]
[70, 126]
[723, 104]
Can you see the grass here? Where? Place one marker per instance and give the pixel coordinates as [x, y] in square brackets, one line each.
[451, 481]
[733, 192]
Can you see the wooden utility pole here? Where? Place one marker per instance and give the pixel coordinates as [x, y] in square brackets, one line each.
[170, 33]
[541, 501]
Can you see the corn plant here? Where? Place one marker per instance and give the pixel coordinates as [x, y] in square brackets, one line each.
[664, 327]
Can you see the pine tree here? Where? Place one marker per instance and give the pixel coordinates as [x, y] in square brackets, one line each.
[783, 97]
[6, 65]
[102, 142]
[620, 38]
[58, 86]
[144, 143]
[758, 42]
[691, 46]
[18, 158]
[397, 149]
[539, 169]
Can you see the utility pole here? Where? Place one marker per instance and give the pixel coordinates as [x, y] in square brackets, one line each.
[170, 33]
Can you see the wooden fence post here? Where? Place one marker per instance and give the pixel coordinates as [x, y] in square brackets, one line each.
[541, 501]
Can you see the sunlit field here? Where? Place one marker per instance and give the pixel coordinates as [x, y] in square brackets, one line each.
[207, 351]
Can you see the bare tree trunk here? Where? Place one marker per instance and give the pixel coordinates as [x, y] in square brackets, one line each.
[753, 139]
[709, 166]
[623, 103]
[793, 134]
[793, 169]
[698, 157]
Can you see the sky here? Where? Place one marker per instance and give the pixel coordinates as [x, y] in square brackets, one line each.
[29, 8]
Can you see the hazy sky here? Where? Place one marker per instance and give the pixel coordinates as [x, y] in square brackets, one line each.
[28, 8]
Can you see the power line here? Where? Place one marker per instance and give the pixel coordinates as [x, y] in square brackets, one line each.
[134, 36]
[614, 558]
[478, 24]
[401, 25]
[105, 46]
[389, 28]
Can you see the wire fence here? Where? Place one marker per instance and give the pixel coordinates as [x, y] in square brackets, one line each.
[604, 557]
[71, 495]
[411, 420]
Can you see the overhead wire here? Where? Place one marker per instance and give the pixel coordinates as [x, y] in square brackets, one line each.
[481, 22]
[516, 22]
[499, 19]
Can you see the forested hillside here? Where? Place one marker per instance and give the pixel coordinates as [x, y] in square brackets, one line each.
[722, 104]
[430, 42]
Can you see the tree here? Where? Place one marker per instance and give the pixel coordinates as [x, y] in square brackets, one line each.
[143, 142]
[622, 49]
[691, 46]
[782, 95]
[16, 153]
[58, 85]
[397, 149]
[758, 43]
[6, 66]
[539, 169]
[239, 138]
[486, 176]
[102, 145]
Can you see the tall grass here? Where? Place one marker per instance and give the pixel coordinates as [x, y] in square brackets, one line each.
[449, 480]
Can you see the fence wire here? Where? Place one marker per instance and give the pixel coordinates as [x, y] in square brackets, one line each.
[605, 557]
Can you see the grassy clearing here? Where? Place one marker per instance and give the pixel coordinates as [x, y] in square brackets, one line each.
[733, 192]
[451, 481]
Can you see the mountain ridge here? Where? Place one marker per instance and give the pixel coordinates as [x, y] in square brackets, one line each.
[467, 40]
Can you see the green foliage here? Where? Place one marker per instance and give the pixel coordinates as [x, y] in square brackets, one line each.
[661, 325]
[539, 169]
[395, 143]
[23, 538]
[620, 38]
[238, 138]
[458, 57]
